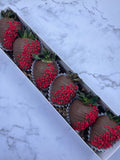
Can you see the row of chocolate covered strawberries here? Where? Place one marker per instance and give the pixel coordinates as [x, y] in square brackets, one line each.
[29, 54]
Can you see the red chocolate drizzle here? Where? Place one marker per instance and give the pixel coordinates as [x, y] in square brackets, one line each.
[10, 34]
[88, 120]
[50, 73]
[64, 95]
[104, 132]
[25, 59]
[106, 140]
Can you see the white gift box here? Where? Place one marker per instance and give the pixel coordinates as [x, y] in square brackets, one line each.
[80, 149]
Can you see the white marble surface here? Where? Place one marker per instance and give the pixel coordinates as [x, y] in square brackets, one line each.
[30, 128]
[86, 35]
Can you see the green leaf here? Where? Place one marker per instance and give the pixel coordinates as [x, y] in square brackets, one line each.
[94, 99]
[47, 56]
[74, 77]
[87, 98]
[27, 33]
[9, 14]
[113, 117]
[36, 56]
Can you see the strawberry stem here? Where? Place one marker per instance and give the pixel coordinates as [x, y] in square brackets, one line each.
[45, 56]
[74, 77]
[87, 98]
[113, 117]
[28, 34]
[9, 14]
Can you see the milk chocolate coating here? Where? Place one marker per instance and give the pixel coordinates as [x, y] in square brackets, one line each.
[60, 80]
[98, 127]
[77, 111]
[39, 68]
[3, 27]
[18, 47]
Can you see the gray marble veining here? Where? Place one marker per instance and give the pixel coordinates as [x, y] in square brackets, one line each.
[86, 35]
[30, 128]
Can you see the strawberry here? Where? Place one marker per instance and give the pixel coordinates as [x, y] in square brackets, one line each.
[104, 133]
[81, 115]
[8, 32]
[44, 69]
[9, 29]
[24, 48]
[63, 90]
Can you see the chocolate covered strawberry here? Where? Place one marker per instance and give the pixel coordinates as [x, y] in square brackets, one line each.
[8, 32]
[81, 115]
[63, 90]
[44, 69]
[104, 133]
[9, 28]
[24, 48]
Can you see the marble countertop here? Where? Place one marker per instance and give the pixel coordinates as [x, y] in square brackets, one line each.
[30, 128]
[86, 35]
